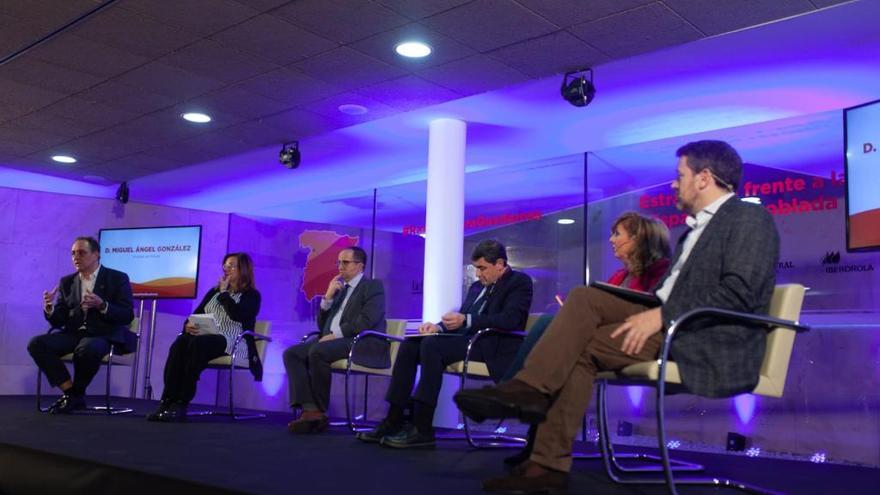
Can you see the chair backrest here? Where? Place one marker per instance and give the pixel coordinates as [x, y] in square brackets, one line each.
[262, 327]
[785, 304]
[395, 328]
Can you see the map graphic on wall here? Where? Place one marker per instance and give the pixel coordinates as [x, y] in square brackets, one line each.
[324, 247]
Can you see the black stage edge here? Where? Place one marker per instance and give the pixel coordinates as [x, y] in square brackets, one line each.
[97, 454]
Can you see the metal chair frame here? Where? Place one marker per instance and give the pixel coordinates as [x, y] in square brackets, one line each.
[611, 466]
[107, 360]
[231, 368]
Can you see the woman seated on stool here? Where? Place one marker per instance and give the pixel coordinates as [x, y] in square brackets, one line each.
[234, 302]
[642, 245]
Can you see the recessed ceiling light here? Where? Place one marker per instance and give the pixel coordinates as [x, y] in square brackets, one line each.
[64, 159]
[351, 109]
[565, 221]
[413, 49]
[198, 118]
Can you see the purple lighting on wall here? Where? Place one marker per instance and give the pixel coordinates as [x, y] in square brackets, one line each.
[745, 407]
[635, 395]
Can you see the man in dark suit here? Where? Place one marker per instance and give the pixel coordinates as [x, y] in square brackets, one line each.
[726, 260]
[499, 299]
[353, 303]
[93, 308]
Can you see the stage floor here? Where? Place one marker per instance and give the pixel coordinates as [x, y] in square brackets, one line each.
[47, 454]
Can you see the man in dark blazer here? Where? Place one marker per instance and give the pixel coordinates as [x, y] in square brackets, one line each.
[352, 303]
[93, 308]
[726, 260]
[499, 299]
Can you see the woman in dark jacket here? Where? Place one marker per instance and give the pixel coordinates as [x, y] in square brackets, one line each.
[234, 302]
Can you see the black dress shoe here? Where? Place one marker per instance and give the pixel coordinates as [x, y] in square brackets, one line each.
[67, 403]
[174, 413]
[383, 429]
[511, 399]
[163, 406]
[525, 479]
[409, 438]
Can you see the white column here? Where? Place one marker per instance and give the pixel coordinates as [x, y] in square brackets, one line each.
[444, 219]
[444, 238]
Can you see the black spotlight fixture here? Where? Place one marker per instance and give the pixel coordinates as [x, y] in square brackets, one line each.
[122, 193]
[577, 89]
[289, 155]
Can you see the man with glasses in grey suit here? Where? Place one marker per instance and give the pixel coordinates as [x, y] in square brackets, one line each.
[353, 303]
[727, 260]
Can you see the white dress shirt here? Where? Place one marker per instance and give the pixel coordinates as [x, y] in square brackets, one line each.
[698, 226]
[327, 303]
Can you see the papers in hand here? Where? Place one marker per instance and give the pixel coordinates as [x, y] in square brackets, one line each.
[205, 323]
[634, 296]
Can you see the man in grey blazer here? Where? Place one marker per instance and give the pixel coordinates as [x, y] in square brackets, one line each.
[352, 303]
[726, 260]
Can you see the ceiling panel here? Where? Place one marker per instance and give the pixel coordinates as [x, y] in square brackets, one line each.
[489, 24]
[202, 17]
[342, 21]
[381, 46]
[565, 13]
[730, 15]
[233, 100]
[422, 8]
[472, 75]
[18, 99]
[133, 32]
[274, 39]
[329, 108]
[289, 87]
[408, 93]
[348, 68]
[49, 14]
[637, 31]
[94, 113]
[44, 75]
[130, 97]
[163, 79]
[217, 61]
[87, 56]
[554, 53]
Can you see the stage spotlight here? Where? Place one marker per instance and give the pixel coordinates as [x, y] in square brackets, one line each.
[577, 89]
[289, 155]
[122, 193]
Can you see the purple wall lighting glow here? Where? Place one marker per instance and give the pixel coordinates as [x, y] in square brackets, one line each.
[635, 395]
[745, 406]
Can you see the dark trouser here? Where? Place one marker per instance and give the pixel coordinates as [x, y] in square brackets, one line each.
[527, 345]
[565, 360]
[87, 354]
[308, 370]
[434, 354]
[187, 358]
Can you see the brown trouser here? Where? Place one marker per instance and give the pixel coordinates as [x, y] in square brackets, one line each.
[564, 363]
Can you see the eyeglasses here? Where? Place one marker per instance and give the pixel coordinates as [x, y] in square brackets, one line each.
[228, 266]
[345, 262]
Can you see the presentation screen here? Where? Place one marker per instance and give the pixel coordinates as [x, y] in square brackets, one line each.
[161, 262]
[862, 141]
